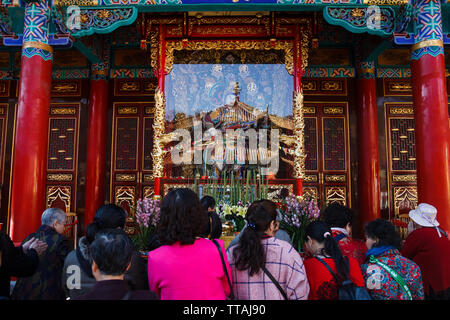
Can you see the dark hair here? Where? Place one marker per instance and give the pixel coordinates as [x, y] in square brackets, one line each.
[337, 215]
[108, 216]
[249, 252]
[208, 202]
[213, 228]
[385, 231]
[182, 217]
[321, 232]
[111, 250]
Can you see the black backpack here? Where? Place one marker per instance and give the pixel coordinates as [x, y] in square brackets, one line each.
[347, 290]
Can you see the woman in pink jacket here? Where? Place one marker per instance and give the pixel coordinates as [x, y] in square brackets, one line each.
[186, 266]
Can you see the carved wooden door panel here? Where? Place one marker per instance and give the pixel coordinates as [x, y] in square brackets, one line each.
[131, 156]
[62, 159]
[327, 148]
[401, 152]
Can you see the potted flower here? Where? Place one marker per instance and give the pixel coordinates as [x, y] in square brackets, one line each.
[233, 215]
[296, 216]
[146, 217]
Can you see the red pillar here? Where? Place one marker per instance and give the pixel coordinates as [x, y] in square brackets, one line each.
[432, 134]
[30, 146]
[368, 163]
[96, 148]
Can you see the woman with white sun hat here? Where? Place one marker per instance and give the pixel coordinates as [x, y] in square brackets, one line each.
[429, 247]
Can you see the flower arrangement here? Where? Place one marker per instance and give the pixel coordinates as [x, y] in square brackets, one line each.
[234, 214]
[296, 216]
[146, 217]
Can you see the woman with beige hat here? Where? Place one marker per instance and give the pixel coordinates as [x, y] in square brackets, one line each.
[429, 247]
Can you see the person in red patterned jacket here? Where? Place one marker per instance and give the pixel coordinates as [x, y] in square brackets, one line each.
[339, 218]
[389, 275]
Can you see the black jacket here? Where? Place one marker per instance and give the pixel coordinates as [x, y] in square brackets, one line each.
[14, 263]
[116, 290]
[45, 283]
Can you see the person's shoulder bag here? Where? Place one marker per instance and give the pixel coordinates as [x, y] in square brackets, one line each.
[347, 290]
[224, 268]
[275, 282]
[401, 282]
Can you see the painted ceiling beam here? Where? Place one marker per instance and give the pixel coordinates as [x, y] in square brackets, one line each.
[216, 5]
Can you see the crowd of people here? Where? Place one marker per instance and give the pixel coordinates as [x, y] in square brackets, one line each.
[189, 261]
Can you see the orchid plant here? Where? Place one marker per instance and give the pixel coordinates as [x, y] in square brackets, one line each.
[146, 216]
[296, 216]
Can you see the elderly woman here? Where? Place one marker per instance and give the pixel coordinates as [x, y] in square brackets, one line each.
[45, 283]
[389, 275]
[429, 247]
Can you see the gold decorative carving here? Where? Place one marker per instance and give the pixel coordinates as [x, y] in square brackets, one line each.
[148, 178]
[125, 194]
[336, 195]
[312, 191]
[400, 86]
[404, 178]
[64, 87]
[333, 110]
[401, 110]
[127, 110]
[125, 177]
[309, 85]
[158, 132]
[229, 21]
[310, 178]
[63, 111]
[331, 85]
[357, 12]
[405, 199]
[61, 192]
[309, 110]
[168, 186]
[385, 2]
[154, 35]
[129, 86]
[59, 177]
[286, 46]
[335, 178]
[148, 192]
[305, 31]
[274, 192]
[80, 3]
[299, 125]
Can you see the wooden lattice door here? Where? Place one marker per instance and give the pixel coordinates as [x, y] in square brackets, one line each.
[327, 148]
[131, 159]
